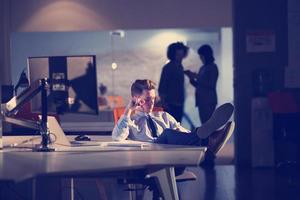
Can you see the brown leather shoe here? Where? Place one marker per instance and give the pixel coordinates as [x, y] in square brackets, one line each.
[218, 139]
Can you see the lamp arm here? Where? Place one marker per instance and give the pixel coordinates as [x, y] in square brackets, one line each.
[11, 108]
[13, 105]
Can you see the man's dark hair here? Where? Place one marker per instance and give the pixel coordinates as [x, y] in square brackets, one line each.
[139, 85]
[172, 48]
[206, 51]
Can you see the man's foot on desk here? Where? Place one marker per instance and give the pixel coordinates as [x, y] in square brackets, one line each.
[218, 119]
[218, 139]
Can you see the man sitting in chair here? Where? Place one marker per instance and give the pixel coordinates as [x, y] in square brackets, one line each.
[160, 127]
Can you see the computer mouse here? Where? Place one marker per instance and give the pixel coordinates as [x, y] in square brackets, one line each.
[82, 138]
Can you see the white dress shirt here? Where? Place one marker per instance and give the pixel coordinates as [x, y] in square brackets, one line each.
[136, 128]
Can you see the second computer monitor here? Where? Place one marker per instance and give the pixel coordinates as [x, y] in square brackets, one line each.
[73, 83]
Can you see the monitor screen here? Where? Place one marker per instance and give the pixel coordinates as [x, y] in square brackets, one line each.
[73, 83]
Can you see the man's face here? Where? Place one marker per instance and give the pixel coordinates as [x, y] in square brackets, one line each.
[147, 100]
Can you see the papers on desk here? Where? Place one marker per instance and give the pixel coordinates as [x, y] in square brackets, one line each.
[126, 143]
[104, 146]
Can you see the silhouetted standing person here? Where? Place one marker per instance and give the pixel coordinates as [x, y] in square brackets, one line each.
[205, 83]
[171, 86]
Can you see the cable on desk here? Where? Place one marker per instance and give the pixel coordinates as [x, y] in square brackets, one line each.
[52, 141]
[23, 142]
[34, 138]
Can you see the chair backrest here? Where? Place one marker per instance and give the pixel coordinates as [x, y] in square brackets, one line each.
[119, 111]
[115, 101]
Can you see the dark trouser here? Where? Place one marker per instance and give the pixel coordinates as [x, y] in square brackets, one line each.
[175, 111]
[205, 112]
[170, 136]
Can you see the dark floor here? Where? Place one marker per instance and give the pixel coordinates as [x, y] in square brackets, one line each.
[226, 182]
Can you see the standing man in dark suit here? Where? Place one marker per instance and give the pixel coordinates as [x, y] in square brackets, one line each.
[171, 85]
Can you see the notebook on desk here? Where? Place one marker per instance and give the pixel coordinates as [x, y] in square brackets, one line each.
[59, 138]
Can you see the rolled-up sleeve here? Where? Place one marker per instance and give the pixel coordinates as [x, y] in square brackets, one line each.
[122, 129]
[174, 124]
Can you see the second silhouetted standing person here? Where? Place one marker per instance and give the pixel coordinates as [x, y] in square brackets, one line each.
[205, 83]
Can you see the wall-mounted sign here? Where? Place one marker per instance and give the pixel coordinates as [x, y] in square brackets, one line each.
[260, 41]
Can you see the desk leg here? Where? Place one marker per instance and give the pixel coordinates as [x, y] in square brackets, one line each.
[72, 189]
[166, 182]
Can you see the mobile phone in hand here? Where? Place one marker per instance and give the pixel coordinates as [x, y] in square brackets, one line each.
[135, 102]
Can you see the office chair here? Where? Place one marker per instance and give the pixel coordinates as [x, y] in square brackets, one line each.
[185, 176]
[115, 101]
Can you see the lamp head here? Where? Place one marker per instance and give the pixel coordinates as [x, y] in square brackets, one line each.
[22, 82]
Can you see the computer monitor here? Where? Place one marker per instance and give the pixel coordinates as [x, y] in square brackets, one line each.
[73, 83]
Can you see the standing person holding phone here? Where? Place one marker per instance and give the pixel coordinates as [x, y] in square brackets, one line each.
[205, 83]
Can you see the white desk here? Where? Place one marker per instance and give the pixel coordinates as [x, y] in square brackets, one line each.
[156, 160]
